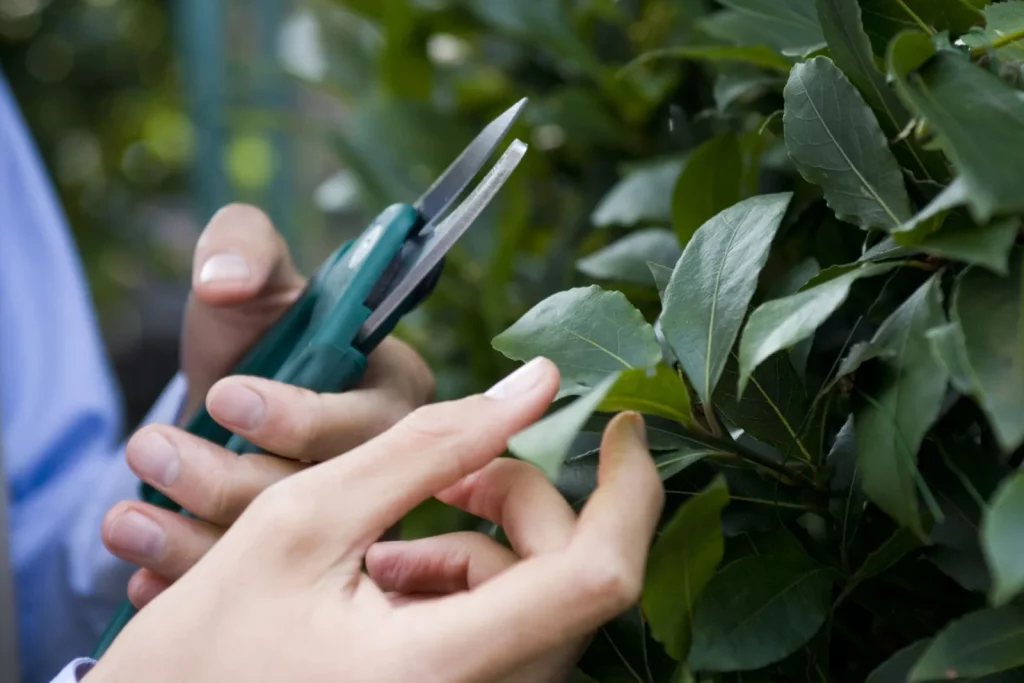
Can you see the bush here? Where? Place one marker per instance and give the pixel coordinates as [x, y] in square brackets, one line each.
[812, 289]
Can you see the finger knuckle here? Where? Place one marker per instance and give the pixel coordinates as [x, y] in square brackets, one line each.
[299, 422]
[282, 508]
[311, 419]
[218, 503]
[611, 581]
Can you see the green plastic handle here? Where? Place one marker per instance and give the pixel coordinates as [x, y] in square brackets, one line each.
[315, 344]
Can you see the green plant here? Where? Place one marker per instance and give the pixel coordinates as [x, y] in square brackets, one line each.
[812, 289]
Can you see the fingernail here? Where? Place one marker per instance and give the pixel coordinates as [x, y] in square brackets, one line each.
[636, 423]
[136, 535]
[155, 459]
[238, 406]
[519, 382]
[223, 267]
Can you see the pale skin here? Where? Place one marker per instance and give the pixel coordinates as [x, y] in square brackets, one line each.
[283, 595]
[243, 280]
[255, 566]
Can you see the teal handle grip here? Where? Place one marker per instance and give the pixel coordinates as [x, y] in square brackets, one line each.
[313, 345]
[264, 360]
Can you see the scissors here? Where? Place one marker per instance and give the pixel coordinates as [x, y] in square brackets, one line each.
[360, 293]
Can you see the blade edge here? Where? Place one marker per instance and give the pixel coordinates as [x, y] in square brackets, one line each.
[446, 233]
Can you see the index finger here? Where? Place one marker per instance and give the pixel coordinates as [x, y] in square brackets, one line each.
[341, 507]
[549, 600]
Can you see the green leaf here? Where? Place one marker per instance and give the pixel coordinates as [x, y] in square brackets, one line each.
[681, 562]
[662, 394]
[742, 87]
[587, 332]
[662, 276]
[938, 231]
[709, 184]
[1001, 20]
[1002, 537]
[979, 644]
[787, 26]
[626, 260]
[578, 477]
[403, 64]
[892, 417]
[862, 353]
[544, 24]
[963, 478]
[950, 349]
[846, 505]
[623, 651]
[982, 141]
[773, 411]
[781, 324]
[850, 49]
[960, 240]
[756, 55]
[966, 567]
[671, 464]
[895, 548]
[990, 311]
[757, 611]
[930, 218]
[578, 676]
[884, 19]
[836, 142]
[643, 196]
[546, 443]
[897, 668]
[713, 283]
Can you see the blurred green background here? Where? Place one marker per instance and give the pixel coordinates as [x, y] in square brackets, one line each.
[152, 113]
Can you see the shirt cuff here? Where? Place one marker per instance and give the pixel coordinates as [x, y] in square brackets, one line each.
[75, 671]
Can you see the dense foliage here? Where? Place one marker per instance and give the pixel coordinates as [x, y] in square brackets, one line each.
[810, 282]
[97, 86]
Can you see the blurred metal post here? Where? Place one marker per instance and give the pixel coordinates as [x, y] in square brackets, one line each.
[201, 37]
[272, 96]
[211, 93]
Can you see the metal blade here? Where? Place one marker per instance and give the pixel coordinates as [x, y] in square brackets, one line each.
[440, 240]
[447, 188]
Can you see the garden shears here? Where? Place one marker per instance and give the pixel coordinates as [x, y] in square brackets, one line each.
[360, 293]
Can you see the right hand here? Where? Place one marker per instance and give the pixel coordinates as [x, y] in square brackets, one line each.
[282, 596]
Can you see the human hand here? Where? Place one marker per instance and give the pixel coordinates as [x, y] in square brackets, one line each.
[282, 596]
[244, 280]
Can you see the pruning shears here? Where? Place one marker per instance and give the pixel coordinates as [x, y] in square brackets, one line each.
[360, 293]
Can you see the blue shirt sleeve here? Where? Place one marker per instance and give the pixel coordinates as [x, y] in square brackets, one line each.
[75, 671]
[59, 420]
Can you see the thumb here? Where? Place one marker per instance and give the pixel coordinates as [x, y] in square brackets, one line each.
[239, 257]
[243, 280]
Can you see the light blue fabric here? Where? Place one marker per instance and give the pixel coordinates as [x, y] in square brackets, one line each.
[59, 417]
[75, 671]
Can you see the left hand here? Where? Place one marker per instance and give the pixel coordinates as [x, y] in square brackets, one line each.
[243, 281]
